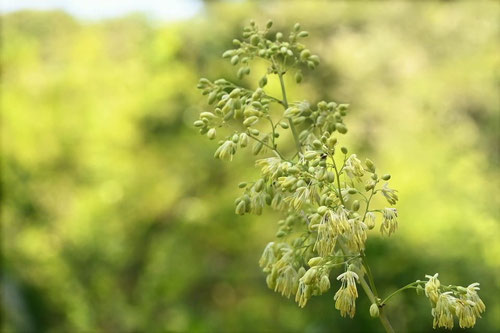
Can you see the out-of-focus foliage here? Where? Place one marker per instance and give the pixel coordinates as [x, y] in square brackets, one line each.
[116, 217]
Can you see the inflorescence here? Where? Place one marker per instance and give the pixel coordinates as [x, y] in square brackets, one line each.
[324, 193]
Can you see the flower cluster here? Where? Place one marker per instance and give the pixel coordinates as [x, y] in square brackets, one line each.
[323, 192]
[447, 301]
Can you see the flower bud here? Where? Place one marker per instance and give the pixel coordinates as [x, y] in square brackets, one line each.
[374, 310]
[228, 53]
[259, 185]
[331, 141]
[199, 123]
[240, 208]
[298, 77]
[303, 34]
[352, 191]
[254, 40]
[280, 234]
[243, 140]
[343, 150]
[341, 128]
[296, 27]
[269, 24]
[355, 205]
[250, 121]
[314, 261]
[370, 165]
[242, 184]
[263, 81]
[309, 155]
[211, 133]
[330, 176]
[284, 125]
[386, 177]
[235, 59]
[324, 283]
[305, 54]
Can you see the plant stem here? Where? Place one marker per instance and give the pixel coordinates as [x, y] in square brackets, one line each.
[337, 174]
[408, 286]
[383, 319]
[285, 105]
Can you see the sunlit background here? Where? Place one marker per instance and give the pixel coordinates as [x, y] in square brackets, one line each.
[116, 218]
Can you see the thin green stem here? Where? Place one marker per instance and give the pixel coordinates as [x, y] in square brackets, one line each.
[285, 105]
[408, 286]
[337, 174]
[371, 296]
[268, 146]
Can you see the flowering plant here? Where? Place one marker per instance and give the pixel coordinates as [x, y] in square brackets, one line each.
[324, 193]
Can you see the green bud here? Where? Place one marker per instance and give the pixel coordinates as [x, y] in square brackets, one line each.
[199, 123]
[211, 97]
[259, 185]
[355, 205]
[314, 59]
[257, 147]
[298, 77]
[240, 208]
[317, 144]
[314, 261]
[343, 107]
[341, 128]
[254, 131]
[352, 191]
[211, 133]
[269, 24]
[309, 155]
[263, 81]
[243, 140]
[254, 40]
[207, 115]
[242, 184]
[250, 121]
[284, 124]
[369, 187]
[235, 138]
[305, 54]
[236, 42]
[228, 53]
[235, 93]
[386, 177]
[374, 310]
[298, 120]
[331, 141]
[330, 176]
[235, 59]
[240, 73]
[296, 27]
[280, 234]
[343, 150]
[303, 34]
[369, 164]
[279, 35]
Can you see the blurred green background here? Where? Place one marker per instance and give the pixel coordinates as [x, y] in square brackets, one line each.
[116, 218]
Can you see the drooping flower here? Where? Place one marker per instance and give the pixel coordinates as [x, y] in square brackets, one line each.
[390, 194]
[443, 312]
[432, 288]
[345, 298]
[472, 296]
[390, 222]
[353, 167]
